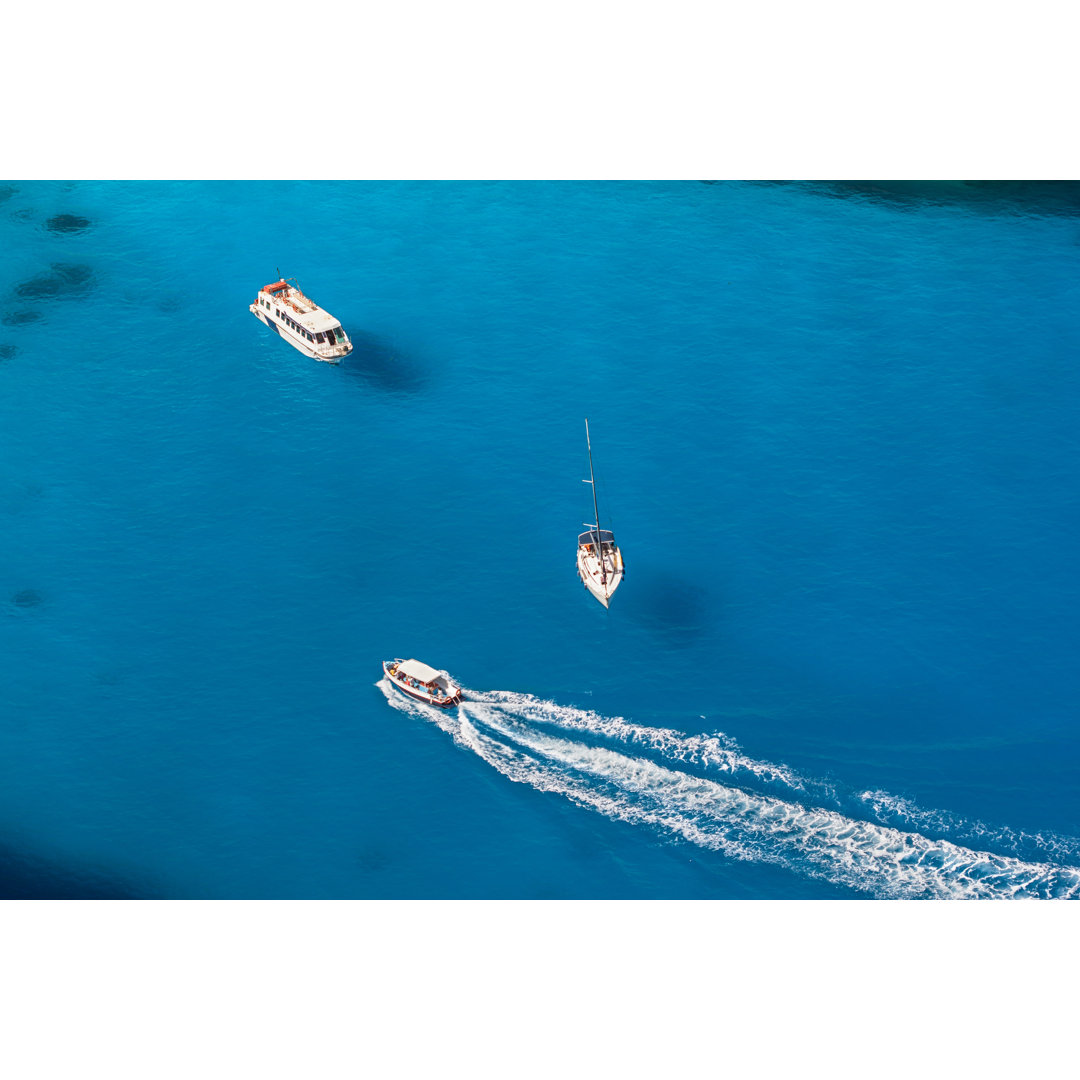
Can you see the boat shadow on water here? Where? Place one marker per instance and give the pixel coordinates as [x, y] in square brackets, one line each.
[377, 362]
[668, 607]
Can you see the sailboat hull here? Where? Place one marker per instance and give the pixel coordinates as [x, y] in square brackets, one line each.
[601, 584]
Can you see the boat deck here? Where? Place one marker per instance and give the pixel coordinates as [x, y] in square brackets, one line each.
[300, 303]
[303, 309]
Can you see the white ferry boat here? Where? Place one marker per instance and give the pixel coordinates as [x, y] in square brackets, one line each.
[422, 683]
[301, 322]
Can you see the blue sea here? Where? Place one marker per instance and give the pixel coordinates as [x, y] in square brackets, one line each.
[834, 428]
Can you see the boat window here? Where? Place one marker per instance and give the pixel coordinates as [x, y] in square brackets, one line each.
[319, 337]
[340, 333]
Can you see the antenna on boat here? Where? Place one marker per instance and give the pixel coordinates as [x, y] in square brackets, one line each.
[596, 511]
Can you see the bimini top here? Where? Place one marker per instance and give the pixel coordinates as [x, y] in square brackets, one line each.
[416, 670]
[606, 537]
[277, 287]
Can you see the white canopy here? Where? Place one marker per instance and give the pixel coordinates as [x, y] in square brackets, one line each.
[418, 671]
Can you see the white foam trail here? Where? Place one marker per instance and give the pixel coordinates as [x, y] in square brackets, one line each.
[819, 843]
[721, 753]
[894, 809]
[717, 751]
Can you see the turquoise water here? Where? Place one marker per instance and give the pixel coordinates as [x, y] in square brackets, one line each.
[834, 432]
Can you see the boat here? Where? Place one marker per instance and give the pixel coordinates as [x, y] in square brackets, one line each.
[300, 321]
[423, 683]
[599, 560]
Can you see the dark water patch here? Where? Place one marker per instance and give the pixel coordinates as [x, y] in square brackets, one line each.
[372, 859]
[6, 192]
[25, 213]
[67, 223]
[27, 598]
[170, 305]
[19, 497]
[376, 361]
[63, 280]
[8, 351]
[27, 877]
[73, 275]
[20, 318]
[1060, 197]
[666, 605]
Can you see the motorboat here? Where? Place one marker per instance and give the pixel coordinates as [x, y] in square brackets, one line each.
[599, 560]
[301, 322]
[422, 683]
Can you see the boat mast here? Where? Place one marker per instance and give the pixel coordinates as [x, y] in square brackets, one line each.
[596, 511]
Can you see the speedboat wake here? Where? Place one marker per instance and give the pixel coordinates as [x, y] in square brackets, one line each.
[702, 790]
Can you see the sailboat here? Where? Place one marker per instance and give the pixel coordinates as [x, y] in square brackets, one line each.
[599, 561]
